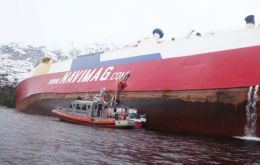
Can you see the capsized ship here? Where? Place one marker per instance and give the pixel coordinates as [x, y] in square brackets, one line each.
[201, 84]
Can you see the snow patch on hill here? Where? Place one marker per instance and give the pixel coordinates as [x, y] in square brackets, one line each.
[18, 60]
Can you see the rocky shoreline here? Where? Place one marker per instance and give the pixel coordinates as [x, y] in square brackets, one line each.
[8, 95]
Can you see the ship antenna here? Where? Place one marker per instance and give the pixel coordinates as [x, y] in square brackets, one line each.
[188, 36]
[73, 50]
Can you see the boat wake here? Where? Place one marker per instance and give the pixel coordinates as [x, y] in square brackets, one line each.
[248, 138]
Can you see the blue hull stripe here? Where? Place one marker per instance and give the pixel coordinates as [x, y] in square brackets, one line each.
[93, 61]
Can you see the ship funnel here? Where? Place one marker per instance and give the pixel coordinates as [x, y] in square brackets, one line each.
[250, 21]
[157, 33]
[46, 60]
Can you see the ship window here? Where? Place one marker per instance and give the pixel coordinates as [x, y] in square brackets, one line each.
[100, 106]
[88, 106]
[77, 107]
[84, 107]
[88, 112]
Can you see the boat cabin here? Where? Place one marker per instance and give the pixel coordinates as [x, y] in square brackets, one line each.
[89, 108]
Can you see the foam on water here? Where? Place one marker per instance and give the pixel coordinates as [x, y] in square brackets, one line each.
[249, 138]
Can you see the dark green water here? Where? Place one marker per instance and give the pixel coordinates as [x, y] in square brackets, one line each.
[34, 139]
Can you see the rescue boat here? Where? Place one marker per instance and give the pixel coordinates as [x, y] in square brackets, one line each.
[93, 113]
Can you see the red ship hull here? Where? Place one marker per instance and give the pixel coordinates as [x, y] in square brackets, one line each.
[206, 93]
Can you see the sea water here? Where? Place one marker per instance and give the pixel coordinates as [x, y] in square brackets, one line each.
[34, 139]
